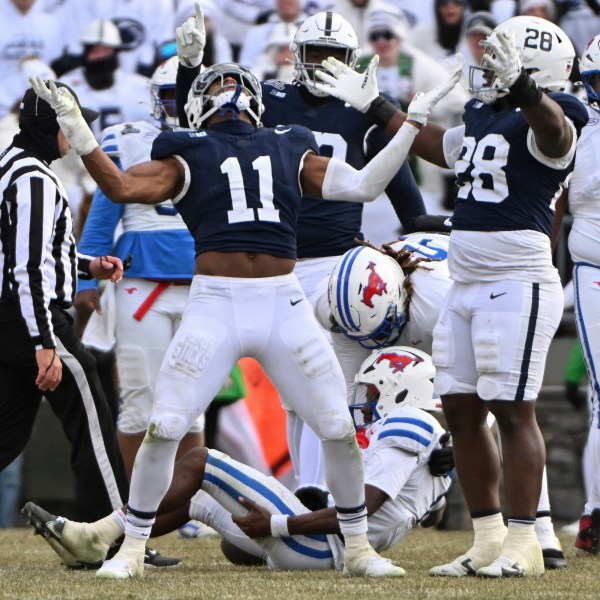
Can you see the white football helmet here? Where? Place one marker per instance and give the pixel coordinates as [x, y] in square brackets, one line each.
[245, 96]
[366, 297]
[101, 31]
[545, 51]
[589, 65]
[162, 90]
[327, 29]
[394, 377]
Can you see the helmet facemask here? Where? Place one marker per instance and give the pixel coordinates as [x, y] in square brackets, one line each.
[226, 98]
[392, 378]
[545, 51]
[323, 31]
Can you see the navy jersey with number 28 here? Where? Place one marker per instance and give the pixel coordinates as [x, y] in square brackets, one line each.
[242, 190]
[495, 171]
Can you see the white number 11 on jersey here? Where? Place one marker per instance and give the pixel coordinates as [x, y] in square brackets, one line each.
[240, 211]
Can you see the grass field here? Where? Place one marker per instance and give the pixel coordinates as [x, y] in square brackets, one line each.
[29, 569]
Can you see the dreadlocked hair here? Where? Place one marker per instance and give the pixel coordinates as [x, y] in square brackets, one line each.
[408, 262]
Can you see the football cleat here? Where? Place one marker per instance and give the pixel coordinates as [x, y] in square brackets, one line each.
[75, 544]
[502, 567]
[363, 561]
[463, 566]
[554, 558]
[588, 537]
[526, 561]
[127, 563]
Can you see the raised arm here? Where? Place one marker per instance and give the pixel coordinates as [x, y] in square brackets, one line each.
[553, 132]
[360, 90]
[146, 183]
[336, 180]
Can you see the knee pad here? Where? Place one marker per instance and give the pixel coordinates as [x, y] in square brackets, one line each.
[336, 427]
[168, 426]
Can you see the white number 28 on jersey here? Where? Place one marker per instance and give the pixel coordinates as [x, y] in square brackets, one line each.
[487, 160]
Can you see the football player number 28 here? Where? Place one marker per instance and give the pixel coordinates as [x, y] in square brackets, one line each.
[240, 211]
[480, 168]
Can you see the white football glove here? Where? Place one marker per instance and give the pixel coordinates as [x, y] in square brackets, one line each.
[68, 115]
[422, 104]
[357, 89]
[190, 40]
[502, 56]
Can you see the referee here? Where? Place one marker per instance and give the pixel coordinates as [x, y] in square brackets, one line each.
[40, 352]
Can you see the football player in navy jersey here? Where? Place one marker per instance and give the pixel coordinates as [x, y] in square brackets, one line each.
[512, 158]
[238, 188]
[325, 230]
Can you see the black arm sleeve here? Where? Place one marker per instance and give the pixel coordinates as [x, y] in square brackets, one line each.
[403, 192]
[183, 83]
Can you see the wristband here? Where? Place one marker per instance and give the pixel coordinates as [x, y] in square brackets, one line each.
[279, 526]
[525, 91]
[381, 111]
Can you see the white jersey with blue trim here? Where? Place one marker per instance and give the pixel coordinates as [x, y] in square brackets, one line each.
[584, 194]
[130, 144]
[150, 233]
[430, 282]
[396, 463]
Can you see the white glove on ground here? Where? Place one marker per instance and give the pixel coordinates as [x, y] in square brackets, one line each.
[502, 56]
[357, 89]
[190, 40]
[68, 115]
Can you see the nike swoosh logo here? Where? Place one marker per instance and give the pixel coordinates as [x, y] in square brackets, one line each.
[493, 296]
[294, 302]
[280, 131]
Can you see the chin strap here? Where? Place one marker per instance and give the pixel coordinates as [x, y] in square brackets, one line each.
[232, 102]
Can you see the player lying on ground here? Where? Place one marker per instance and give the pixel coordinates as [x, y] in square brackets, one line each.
[398, 436]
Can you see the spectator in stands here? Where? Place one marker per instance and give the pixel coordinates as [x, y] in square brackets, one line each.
[26, 31]
[277, 60]
[442, 38]
[286, 11]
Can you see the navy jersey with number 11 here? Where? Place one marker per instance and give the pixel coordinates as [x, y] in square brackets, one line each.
[242, 191]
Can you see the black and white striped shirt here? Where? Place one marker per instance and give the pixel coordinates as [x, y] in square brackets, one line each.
[38, 257]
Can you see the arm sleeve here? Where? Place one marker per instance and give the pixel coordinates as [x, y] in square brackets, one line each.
[183, 83]
[97, 238]
[403, 191]
[343, 182]
[36, 202]
[452, 143]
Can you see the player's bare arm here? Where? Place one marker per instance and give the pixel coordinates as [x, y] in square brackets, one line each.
[145, 183]
[257, 523]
